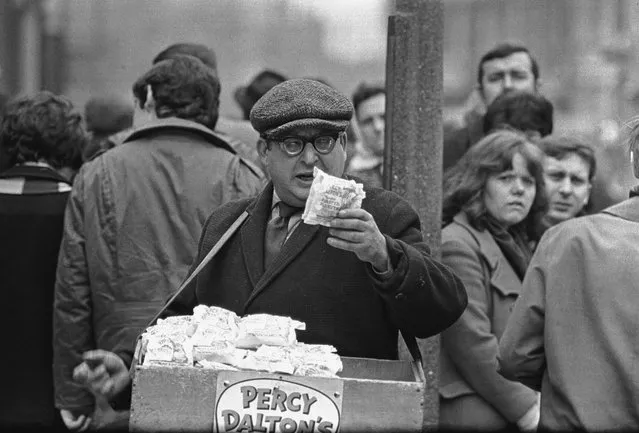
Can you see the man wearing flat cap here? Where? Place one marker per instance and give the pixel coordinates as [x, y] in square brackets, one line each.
[355, 284]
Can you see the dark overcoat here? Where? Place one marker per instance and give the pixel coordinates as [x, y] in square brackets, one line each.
[340, 298]
[30, 232]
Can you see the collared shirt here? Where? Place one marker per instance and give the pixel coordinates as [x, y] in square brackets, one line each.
[293, 221]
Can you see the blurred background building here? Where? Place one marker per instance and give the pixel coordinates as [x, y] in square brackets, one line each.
[587, 49]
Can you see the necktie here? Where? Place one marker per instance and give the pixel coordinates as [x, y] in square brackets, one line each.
[276, 231]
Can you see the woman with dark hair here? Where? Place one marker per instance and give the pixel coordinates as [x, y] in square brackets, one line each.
[491, 198]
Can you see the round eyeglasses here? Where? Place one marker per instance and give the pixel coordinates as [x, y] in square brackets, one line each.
[293, 146]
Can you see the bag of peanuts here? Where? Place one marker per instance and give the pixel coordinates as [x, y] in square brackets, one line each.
[329, 195]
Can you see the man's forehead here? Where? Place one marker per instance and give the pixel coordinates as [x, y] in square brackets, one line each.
[520, 60]
[571, 162]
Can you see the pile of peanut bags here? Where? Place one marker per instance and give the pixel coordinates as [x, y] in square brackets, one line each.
[217, 338]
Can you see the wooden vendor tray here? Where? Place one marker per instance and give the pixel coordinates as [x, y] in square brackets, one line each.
[369, 395]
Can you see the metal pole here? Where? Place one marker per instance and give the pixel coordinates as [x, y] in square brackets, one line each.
[414, 136]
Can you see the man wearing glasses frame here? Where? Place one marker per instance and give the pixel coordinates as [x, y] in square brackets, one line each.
[355, 284]
[323, 144]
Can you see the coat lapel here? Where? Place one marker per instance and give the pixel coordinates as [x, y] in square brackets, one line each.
[293, 247]
[503, 275]
[252, 235]
[487, 245]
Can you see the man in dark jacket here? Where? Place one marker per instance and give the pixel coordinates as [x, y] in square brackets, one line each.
[42, 138]
[355, 284]
[502, 69]
[135, 215]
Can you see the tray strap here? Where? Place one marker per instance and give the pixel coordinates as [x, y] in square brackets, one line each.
[209, 256]
[411, 342]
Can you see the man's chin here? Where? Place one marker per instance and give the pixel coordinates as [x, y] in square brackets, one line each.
[556, 217]
[299, 195]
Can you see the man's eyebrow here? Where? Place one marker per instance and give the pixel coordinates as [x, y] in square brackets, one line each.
[578, 176]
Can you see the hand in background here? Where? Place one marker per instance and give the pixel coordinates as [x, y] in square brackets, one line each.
[75, 423]
[530, 421]
[103, 373]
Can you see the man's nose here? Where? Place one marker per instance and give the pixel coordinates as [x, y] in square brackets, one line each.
[309, 154]
[565, 187]
[507, 82]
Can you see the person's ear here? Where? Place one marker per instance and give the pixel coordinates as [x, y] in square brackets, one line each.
[149, 104]
[538, 85]
[479, 90]
[144, 113]
[262, 150]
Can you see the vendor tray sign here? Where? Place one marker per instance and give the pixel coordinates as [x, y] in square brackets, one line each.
[273, 405]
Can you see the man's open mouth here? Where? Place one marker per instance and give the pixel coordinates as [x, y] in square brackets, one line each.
[305, 176]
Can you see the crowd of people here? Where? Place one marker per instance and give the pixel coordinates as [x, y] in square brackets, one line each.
[104, 213]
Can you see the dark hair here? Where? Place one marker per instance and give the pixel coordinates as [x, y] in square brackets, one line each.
[521, 110]
[182, 87]
[43, 127]
[504, 50]
[465, 182]
[247, 96]
[366, 91]
[559, 147]
[202, 52]
[107, 115]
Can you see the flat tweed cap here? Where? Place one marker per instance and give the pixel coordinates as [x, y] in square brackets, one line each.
[300, 103]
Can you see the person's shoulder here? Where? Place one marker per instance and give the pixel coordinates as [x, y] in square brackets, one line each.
[573, 232]
[92, 167]
[455, 229]
[234, 205]
[577, 225]
[382, 199]
[119, 137]
[251, 168]
[171, 127]
[230, 209]
[460, 230]
[223, 216]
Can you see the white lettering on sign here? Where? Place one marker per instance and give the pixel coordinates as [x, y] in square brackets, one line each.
[274, 406]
